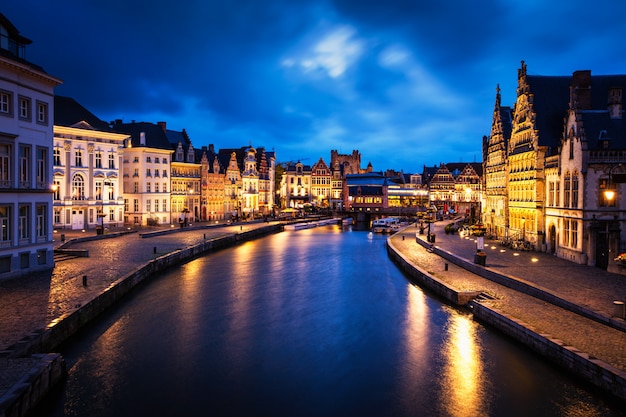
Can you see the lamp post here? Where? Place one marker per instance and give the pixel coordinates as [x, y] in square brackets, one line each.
[609, 192]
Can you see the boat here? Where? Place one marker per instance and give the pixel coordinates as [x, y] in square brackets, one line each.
[386, 225]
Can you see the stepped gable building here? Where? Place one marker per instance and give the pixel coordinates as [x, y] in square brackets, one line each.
[495, 151]
[565, 167]
[185, 178]
[87, 156]
[250, 188]
[321, 184]
[213, 185]
[536, 133]
[146, 174]
[26, 142]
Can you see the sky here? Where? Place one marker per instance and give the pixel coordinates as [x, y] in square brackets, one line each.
[407, 83]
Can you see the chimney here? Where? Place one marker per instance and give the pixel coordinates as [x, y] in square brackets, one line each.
[615, 103]
[163, 125]
[142, 139]
[580, 91]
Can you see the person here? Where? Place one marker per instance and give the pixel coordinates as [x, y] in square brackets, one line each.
[181, 222]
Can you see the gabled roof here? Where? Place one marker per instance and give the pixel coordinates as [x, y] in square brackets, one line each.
[550, 103]
[69, 113]
[155, 135]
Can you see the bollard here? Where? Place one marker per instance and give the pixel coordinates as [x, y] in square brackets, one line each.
[445, 266]
[84, 280]
[204, 235]
[63, 237]
[402, 237]
[240, 227]
[154, 249]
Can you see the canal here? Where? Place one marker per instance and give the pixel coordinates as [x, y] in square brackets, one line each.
[317, 322]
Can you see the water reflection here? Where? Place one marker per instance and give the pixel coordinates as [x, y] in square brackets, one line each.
[463, 385]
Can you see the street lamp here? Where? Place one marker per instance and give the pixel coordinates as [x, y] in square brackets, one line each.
[609, 192]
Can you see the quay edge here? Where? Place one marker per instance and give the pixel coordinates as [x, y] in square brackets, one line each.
[21, 399]
[599, 373]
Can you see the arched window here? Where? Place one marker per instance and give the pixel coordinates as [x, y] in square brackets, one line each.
[78, 187]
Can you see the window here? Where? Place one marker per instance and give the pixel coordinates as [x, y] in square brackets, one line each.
[5, 165]
[136, 173]
[148, 159]
[24, 108]
[575, 190]
[111, 160]
[148, 187]
[78, 187]
[79, 158]
[566, 191]
[111, 214]
[164, 187]
[156, 187]
[57, 216]
[156, 160]
[98, 159]
[574, 240]
[164, 173]
[136, 187]
[24, 161]
[56, 155]
[156, 205]
[111, 191]
[136, 159]
[5, 225]
[136, 205]
[42, 112]
[22, 224]
[42, 224]
[5, 103]
[42, 167]
[148, 172]
[164, 204]
[125, 204]
[56, 188]
[148, 205]
[165, 160]
[98, 190]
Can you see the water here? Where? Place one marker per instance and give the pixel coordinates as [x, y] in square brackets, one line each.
[317, 322]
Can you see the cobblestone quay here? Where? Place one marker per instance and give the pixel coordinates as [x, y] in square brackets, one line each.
[570, 318]
[42, 310]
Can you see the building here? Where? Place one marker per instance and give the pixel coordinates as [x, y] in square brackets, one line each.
[87, 157]
[146, 175]
[296, 185]
[185, 177]
[495, 150]
[565, 167]
[26, 141]
[213, 184]
[321, 184]
[586, 203]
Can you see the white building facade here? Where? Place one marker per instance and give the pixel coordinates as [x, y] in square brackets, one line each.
[26, 138]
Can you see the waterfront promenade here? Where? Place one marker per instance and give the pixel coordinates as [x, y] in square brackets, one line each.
[588, 288]
[32, 303]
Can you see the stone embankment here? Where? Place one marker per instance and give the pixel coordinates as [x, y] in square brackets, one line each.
[555, 328]
[41, 371]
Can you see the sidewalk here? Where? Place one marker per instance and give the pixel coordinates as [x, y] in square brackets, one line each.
[589, 287]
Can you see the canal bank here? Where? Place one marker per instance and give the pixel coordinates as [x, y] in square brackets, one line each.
[26, 374]
[584, 341]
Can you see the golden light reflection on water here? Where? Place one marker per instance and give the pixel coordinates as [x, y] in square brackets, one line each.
[462, 384]
[416, 336]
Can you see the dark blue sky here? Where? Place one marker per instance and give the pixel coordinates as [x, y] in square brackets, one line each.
[407, 83]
